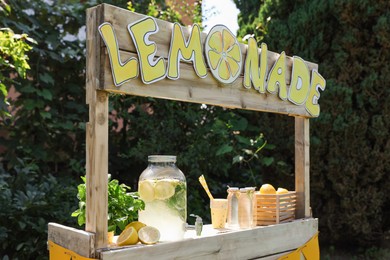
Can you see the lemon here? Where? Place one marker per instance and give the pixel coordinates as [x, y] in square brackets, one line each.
[149, 235]
[164, 189]
[281, 191]
[146, 191]
[223, 54]
[128, 236]
[136, 224]
[267, 189]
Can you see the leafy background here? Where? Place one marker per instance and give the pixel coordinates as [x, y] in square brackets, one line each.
[42, 143]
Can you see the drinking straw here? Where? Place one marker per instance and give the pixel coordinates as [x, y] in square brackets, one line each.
[205, 187]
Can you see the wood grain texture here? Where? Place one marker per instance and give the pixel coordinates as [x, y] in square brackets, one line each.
[246, 244]
[78, 241]
[302, 167]
[189, 87]
[96, 136]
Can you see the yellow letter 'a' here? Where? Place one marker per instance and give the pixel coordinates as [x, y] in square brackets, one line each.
[151, 70]
[317, 82]
[254, 72]
[188, 51]
[277, 77]
[121, 72]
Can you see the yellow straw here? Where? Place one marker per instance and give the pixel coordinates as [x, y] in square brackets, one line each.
[205, 187]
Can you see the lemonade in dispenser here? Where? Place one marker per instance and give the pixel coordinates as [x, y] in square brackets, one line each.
[162, 186]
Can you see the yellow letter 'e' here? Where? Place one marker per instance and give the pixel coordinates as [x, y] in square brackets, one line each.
[151, 70]
[317, 82]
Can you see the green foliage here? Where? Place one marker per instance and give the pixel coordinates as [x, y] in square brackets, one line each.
[122, 206]
[350, 152]
[48, 126]
[29, 200]
[13, 58]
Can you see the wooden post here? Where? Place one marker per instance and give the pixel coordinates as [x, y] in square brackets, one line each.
[302, 167]
[96, 136]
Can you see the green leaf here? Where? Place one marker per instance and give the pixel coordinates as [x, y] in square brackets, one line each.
[46, 94]
[267, 161]
[224, 149]
[47, 78]
[237, 159]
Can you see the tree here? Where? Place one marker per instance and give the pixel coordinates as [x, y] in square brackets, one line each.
[45, 142]
[350, 151]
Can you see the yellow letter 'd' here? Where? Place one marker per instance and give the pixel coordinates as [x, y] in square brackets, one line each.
[188, 51]
[300, 82]
[121, 72]
[317, 82]
[255, 73]
[277, 77]
[151, 70]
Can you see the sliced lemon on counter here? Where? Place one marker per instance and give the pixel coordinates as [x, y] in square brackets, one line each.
[267, 189]
[146, 191]
[164, 189]
[149, 235]
[136, 224]
[128, 236]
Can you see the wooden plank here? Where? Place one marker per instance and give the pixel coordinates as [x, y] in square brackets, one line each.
[78, 241]
[302, 167]
[96, 136]
[120, 18]
[190, 88]
[246, 244]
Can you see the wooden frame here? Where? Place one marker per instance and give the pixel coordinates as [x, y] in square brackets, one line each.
[99, 84]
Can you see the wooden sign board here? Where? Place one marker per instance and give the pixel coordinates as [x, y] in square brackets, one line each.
[122, 48]
[121, 58]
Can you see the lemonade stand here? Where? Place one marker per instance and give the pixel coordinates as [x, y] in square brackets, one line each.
[133, 54]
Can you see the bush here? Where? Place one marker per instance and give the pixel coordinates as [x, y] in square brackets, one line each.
[29, 200]
[350, 149]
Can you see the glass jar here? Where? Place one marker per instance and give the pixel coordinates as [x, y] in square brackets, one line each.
[245, 208]
[162, 186]
[232, 217]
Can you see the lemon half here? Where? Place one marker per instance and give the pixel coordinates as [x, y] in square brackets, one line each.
[149, 235]
[128, 236]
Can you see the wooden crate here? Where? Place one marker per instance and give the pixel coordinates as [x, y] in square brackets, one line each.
[274, 209]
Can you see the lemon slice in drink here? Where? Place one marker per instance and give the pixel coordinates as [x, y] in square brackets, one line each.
[149, 235]
[146, 191]
[164, 189]
[128, 236]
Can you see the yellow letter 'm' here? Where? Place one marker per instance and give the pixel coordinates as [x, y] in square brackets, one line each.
[317, 82]
[255, 73]
[151, 70]
[277, 77]
[300, 82]
[188, 51]
[121, 72]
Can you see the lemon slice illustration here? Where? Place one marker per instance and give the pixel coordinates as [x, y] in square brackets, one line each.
[223, 54]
